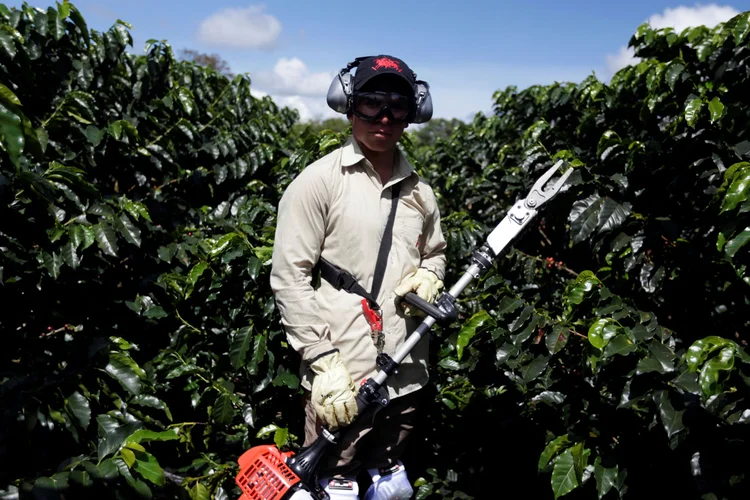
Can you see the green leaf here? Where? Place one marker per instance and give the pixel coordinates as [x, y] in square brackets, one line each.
[266, 431]
[193, 276]
[581, 458]
[286, 378]
[601, 332]
[688, 382]
[253, 267]
[721, 240]
[139, 486]
[112, 435]
[106, 470]
[469, 329]
[78, 20]
[11, 133]
[670, 418]
[621, 345]
[63, 9]
[673, 72]
[716, 108]
[702, 348]
[241, 342]
[199, 492]
[584, 217]
[105, 237]
[564, 479]
[223, 410]
[80, 408]
[70, 256]
[183, 370]
[148, 467]
[557, 339]
[738, 189]
[56, 24]
[128, 230]
[507, 305]
[122, 369]
[552, 449]
[82, 477]
[692, 110]
[136, 209]
[145, 435]
[155, 312]
[281, 437]
[151, 402]
[424, 491]
[8, 42]
[58, 482]
[128, 456]
[612, 215]
[94, 135]
[584, 283]
[52, 263]
[605, 477]
[222, 244]
[8, 97]
[531, 371]
[710, 373]
[89, 236]
[647, 365]
[741, 28]
[186, 100]
[733, 246]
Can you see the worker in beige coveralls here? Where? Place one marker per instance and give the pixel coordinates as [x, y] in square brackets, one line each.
[337, 209]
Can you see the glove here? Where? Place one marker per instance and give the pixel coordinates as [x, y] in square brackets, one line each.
[333, 391]
[424, 283]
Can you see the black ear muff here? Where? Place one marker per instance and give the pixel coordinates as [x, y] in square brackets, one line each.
[339, 92]
[423, 111]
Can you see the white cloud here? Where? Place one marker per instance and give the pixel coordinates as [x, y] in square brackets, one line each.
[290, 77]
[309, 108]
[238, 27]
[683, 17]
[624, 57]
[678, 18]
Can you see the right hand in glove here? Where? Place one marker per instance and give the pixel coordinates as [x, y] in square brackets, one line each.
[424, 283]
[333, 391]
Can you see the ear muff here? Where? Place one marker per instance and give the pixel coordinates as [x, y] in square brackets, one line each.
[339, 96]
[339, 92]
[423, 98]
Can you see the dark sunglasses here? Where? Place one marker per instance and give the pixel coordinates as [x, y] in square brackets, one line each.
[372, 106]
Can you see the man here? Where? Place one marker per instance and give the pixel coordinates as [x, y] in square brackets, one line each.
[337, 209]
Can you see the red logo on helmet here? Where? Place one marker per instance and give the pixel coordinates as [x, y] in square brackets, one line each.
[385, 62]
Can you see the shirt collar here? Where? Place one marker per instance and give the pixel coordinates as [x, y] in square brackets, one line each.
[352, 155]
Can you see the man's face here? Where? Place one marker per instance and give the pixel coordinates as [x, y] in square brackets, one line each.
[383, 134]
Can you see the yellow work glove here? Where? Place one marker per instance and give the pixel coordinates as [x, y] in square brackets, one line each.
[333, 391]
[424, 283]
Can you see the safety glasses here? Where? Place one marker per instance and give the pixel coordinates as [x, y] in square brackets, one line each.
[371, 106]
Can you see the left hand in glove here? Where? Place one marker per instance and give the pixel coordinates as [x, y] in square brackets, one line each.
[424, 283]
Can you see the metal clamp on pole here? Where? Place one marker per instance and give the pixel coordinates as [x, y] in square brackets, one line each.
[444, 309]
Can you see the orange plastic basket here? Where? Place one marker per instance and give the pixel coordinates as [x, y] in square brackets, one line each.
[264, 474]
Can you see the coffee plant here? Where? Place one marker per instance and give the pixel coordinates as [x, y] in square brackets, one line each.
[603, 356]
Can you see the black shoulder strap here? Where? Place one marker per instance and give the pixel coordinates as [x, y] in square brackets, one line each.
[342, 280]
[385, 243]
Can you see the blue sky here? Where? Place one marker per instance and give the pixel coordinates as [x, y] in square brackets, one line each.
[466, 50]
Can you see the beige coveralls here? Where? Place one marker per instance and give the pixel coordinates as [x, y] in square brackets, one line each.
[337, 208]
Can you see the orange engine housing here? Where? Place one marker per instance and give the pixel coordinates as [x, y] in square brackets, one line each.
[264, 474]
